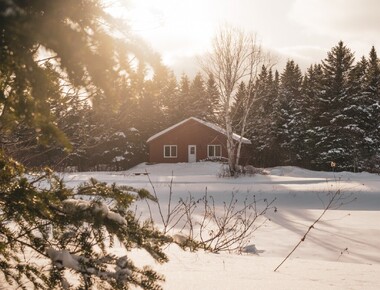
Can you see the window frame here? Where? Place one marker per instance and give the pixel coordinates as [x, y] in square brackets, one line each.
[214, 146]
[171, 147]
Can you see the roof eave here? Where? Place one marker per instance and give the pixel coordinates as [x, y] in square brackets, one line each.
[209, 125]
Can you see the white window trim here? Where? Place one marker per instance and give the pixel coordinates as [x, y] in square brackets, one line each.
[171, 146]
[214, 145]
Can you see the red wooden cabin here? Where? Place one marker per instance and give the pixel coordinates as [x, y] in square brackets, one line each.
[191, 140]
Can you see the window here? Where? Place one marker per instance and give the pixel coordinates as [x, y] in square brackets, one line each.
[214, 151]
[170, 151]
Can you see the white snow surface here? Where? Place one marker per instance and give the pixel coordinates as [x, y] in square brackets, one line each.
[342, 251]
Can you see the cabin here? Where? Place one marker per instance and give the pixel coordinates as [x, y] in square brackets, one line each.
[191, 140]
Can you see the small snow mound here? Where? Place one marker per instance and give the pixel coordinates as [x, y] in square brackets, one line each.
[251, 170]
[179, 169]
[251, 249]
[179, 239]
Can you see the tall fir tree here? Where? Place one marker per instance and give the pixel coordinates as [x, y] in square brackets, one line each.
[372, 91]
[273, 155]
[198, 101]
[180, 107]
[264, 133]
[259, 120]
[237, 108]
[357, 117]
[152, 110]
[289, 117]
[213, 101]
[333, 141]
[312, 91]
[169, 90]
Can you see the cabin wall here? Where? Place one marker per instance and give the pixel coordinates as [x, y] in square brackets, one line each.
[189, 133]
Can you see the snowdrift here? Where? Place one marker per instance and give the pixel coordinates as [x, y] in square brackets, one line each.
[341, 252]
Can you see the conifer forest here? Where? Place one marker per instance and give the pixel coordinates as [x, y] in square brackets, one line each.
[329, 113]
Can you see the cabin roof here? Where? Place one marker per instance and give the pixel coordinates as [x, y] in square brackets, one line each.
[215, 127]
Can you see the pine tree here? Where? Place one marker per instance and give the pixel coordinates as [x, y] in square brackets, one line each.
[165, 86]
[71, 116]
[48, 223]
[151, 116]
[273, 149]
[198, 101]
[213, 106]
[258, 119]
[372, 91]
[180, 106]
[312, 92]
[237, 108]
[289, 113]
[357, 116]
[333, 141]
[263, 132]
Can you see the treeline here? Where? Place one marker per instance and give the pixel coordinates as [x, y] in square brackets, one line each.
[328, 114]
[111, 134]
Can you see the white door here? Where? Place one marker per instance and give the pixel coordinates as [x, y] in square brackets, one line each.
[192, 153]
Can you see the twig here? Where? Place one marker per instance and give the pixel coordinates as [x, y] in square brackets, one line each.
[329, 205]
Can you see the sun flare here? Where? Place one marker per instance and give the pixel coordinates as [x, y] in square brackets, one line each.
[176, 29]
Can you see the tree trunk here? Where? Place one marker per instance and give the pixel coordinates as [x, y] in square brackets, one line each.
[230, 146]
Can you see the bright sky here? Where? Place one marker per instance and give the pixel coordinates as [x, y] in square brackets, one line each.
[303, 30]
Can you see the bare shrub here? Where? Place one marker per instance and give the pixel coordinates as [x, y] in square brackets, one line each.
[231, 227]
[174, 213]
[216, 227]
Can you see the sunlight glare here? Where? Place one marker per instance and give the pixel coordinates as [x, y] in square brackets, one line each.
[173, 28]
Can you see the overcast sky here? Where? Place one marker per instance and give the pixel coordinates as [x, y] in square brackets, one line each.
[303, 30]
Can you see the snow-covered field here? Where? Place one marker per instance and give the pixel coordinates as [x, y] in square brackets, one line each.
[342, 251]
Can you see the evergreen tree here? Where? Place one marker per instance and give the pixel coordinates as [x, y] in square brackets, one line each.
[272, 150]
[213, 109]
[373, 75]
[77, 126]
[198, 101]
[165, 87]
[71, 116]
[142, 114]
[153, 111]
[372, 91]
[258, 119]
[237, 108]
[48, 223]
[180, 106]
[333, 141]
[357, 117]
[312, 92]
[151, 116]
[263, 130]
[289, 117]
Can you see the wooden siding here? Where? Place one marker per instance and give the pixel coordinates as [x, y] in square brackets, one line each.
[189, 133]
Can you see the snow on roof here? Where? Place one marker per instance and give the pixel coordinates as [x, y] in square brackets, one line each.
[236, 137]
